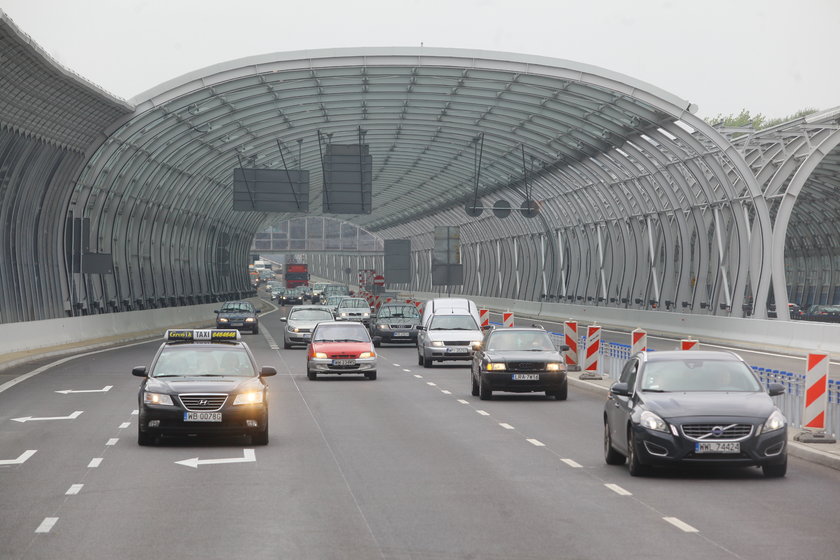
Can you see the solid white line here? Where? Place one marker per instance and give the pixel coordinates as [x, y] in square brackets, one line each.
[572, 463]
[46, 525]
[75, 489]
[462, 401]
[618, 490]
[113, 441]
[445, 392]
[125, 425]
[536, 442]
[431, 384]
[680, 525]
[95, 462]
[506, 426]
[483, 412]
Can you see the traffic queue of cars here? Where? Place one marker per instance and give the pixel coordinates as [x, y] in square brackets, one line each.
[667, 407]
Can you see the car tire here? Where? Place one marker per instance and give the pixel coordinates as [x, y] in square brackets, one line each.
[144, 438]
[474, 385]
[611, 456]
[255, 330]
[634, 466]
[777, 470]
[286, 345]
[419, 360]
[484, 391]
[371, 375]
[260, 438]
[427, 362]
[562, 394]
[377, 344]
[311, 375]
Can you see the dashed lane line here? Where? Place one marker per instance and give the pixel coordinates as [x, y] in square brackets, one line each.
[74, 489]
[681, 525]
[46, 525]
[618, 490]
[95, 462]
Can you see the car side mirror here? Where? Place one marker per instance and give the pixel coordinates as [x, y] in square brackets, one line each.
[139, 371]
[775, 389]
[620, 389]
[283, 319]
[564, 348]
[215, 311]
[267, 371]
[421, 328]
[257, 311]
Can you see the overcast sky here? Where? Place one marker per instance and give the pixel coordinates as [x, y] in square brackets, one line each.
[772, 57]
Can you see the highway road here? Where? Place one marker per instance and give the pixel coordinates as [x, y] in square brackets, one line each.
[409, 466]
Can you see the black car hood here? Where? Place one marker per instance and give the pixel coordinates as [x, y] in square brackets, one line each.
[523, 356]
[698, 404]
[201, 384]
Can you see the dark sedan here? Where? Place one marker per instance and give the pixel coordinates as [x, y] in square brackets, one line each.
[693, 407]
[518, 360]
[203, 382]
[395, 322]
[241, 315]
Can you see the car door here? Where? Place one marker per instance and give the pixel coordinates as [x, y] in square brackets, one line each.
[620, 407]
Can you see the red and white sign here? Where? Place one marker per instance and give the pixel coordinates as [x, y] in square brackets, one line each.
[593, 349]
[379, 280]
[638, 341]
[570, 330]
[816, 391]
[484, 317]
[689, 344]
[507, 319]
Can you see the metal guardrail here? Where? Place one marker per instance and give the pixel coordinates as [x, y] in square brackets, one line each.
[791, 403]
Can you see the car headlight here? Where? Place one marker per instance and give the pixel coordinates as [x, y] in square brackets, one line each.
[365, 314]
[367, 355]
[651, 421]
[553, 366]
[157, 398]
[776, 421]
[294, 329]
[474, 343]
[223, 319]
[320, 355]
[250, 320]
[383, 327]
[437, 343]
[495, 367]
[251, 397]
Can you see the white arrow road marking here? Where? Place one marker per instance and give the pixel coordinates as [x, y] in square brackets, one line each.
[248, 457]
[31, 419]
[20, 460]
[104, 389]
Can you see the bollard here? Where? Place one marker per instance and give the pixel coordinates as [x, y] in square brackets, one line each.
[816, 400]
[638, 341]
[484, 317]
[507, 319]
[593, 353]
[571, 335]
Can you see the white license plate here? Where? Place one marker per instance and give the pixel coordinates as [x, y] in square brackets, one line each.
[526, 376]
[344, 362]
[235, 324]
[717, 447]
[456, 349]
[401, 334]
[202, 417]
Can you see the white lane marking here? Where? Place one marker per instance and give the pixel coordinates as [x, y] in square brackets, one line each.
[95, 462]
[21, 458]
[483, 412]
[125, 425]
[536, 442]
[113, 441]
[104, 389]
[135, 412]
[418, 376]
[248, 457]
[680, 525]
[506, 426]
[31, 419]
[74, 489]
[397, 365]
[618, 490]
[572, 463]
[445, 392]
[407, 370]
[462, 401]
[431, 384]
[46, 525]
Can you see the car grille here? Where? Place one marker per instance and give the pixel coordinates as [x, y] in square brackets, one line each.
[457, 342]
[526, 366]
[401, 326]
[343, 356]
[717, 432]
[203, 402]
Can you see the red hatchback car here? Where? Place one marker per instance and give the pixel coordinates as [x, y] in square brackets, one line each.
[340, 348]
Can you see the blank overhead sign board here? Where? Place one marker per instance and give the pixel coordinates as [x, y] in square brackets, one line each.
[348, 169]
[271, 190]
[398, 261]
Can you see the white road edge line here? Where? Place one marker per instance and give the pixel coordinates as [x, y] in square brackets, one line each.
[46, 525]
[681, 525]
[506, 426]
[618, 490]
[74, 489]
[95, 462]
[536, 442]
[572, 463]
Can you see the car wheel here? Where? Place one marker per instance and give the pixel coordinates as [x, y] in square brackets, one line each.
[260, 438]
[377, 344]
[484, 391]
[419, 360]
[474, 385]
[371, 375]
[777, 470]
[611, 456]
[255, 330]
[144, 438]
[427, 362]
[286, 345]
[562, 394]
[311, 375]
[633, 464]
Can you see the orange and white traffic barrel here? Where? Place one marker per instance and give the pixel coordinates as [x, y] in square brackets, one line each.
[591, 357]
[816, 391]
[507, 319]
[484, 317]
[570, 332]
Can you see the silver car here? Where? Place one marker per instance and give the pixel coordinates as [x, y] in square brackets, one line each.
[300, 323]
[353, 309]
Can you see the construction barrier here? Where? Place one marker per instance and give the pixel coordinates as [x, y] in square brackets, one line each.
[570, 332]
[484, 317]
[689, 344]
[593, 352]
[638, 341]
[816, 391]
[507, 319]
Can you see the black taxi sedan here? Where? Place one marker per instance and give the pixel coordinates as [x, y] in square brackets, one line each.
[693, 407]
[518, 360]
[203, 382]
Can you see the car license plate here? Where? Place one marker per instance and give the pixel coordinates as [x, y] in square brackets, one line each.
[526, 376]
[400, 334]
[202, 417]
[455, 349]
[235, 324]
[344, 362]
[717, 447]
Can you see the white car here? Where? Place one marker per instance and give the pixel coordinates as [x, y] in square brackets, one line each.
[353, 309]
[448, 335]
[300, 323]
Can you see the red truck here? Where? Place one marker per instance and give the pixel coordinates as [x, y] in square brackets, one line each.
[296, 274]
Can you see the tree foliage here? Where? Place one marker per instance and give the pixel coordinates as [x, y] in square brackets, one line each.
[758, 121]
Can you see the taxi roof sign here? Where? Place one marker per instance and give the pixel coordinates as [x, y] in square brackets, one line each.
[201, 335]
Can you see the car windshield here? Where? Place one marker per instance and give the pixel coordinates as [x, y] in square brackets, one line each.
[401, 311]
[192, 361]
[453, 323]
[689, 375]
[536, 341]
[237, 307]
[341, 333]
[310, 315]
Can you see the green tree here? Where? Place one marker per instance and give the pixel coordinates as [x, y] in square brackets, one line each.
[758, 121]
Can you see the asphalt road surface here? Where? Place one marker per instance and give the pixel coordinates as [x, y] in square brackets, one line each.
[409, 466]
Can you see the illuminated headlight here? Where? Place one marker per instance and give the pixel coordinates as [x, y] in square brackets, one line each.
[223, 320]
[320, 355]
[365, 314]
[651, 421]
[382, 326]
[367, 355]
[252, 397]
[495, 367]
[474, 343]
[157, 398]
[250, 320]
[295, 329]
[437, 343]
[776, 421]
[553, 366]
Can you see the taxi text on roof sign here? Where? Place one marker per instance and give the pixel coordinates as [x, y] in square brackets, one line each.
[201, 334]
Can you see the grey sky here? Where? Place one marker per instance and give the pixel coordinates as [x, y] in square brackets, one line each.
[770, 56]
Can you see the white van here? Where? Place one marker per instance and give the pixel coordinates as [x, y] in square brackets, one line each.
[448, 331]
